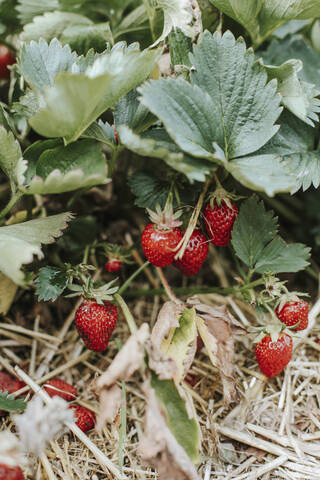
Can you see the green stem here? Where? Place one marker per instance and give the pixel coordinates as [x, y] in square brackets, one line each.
[126, 312]
[194, 290]
[11, 204]
[126, 284]
[113, 159]
[86, 254]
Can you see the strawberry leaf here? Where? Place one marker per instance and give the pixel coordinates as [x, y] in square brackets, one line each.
[10, 404]
[103, 132]
[19, 243]
[150, 191]
[129, 111]
[54, 168]
[76, 100]
[11, 161]
[256, 243]
[184, 428]
[28, 9]
[50, 283]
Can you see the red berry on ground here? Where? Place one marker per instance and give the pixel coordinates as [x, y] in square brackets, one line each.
[95, 323]
[10, 384]
[293, 313]
[6, 59]
[10, 473]
[219, 221]
[85, 418]
[195, 254]
[113, 265]
[159, 244]
[60, 388]
[273, 357]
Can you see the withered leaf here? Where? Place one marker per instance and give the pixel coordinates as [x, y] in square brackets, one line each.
[214, 326]
[159, 448]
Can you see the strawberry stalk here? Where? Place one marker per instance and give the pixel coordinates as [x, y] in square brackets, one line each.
[127, 314]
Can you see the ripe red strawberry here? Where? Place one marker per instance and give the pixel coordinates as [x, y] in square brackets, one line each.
[113, 265]
[10, 473]
[294, 312]
[273, 357]
[194, 255]
[159, 245]
[6, 59]
[60, 388]
[219, 220]
[95, 323]
[10, 384]
[85, 418]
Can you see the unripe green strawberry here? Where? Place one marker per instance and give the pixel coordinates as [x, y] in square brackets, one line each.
[219, 220]
[85, 418]
[293, 313]
[195, 254]
[10, 473]
[95, 323]
[273, 357]
[59, 388]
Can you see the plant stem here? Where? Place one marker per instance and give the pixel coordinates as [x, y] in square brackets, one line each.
[126, 312]
[126, 284]
[166, 286]
[12, 202]
[194, 290]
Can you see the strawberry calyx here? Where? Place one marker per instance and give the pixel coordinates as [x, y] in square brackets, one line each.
[116, 252]
[220, 195]
[88, 290]
[165, 219]
[273, 329]
[289, 297]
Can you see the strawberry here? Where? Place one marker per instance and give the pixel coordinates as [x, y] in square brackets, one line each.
[10, 473]
[10, 384]
[85, 418]
[195, 254]
[293, 313]
[6, 59]
[95, 323]
[219, 218]
[113, 265]
[273, 357]
[60, 388]
[161, 237]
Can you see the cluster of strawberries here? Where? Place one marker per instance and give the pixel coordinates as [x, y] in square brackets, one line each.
[161, 238]
[274, 356]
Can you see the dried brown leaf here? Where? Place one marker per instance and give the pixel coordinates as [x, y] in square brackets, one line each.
[164, 367]
[166, 321]
[159, 448]
[125, 363]
[214, 325]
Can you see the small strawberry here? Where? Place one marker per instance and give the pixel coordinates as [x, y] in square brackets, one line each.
[195, 254]
[60, 388]
[6, 59]
[273, 357]
[219, 217]
[293, 313]
[10, 473]
[160, 238]
[113, 265]
[85, 418]
[10, 384]
[95, 323]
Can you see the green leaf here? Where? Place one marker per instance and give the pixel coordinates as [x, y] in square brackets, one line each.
[31, 8]
[58, 169]
[253, 229]
[157, 144]
[289, 28]
[77, 100]
[83, 37]
[130, 112]
[187, 112]
[180, 46]
[278, 257]
[180, 15]
[295, 47]
[268, 173]
[19, 243]
[103, 132]
[179, 343]
[184, 429]
[149, 190]
[52, 25]
[297, 96]
[256, 243]
[11, 161]
[10, 404]
[50, 283]
[246, 106]
[262, 17]
[40, 62]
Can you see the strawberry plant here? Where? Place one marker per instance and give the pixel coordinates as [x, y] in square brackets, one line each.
[138, 138]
